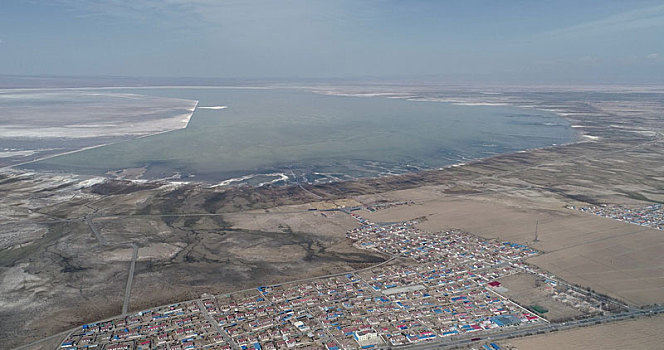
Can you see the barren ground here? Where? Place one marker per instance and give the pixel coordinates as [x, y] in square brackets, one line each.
[525, 290]
[645, 333]
[611, 257]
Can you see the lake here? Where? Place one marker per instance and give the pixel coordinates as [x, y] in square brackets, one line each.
[269, 135]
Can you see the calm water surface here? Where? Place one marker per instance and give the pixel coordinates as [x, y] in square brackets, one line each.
[318, 137]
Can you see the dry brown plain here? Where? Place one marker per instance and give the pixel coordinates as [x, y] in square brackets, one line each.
[615, 258]
[641, 334]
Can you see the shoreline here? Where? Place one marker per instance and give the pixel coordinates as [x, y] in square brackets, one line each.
[580, 136]
[187, 119]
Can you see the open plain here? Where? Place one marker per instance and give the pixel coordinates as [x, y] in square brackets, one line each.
[610, 256]
[645, 333]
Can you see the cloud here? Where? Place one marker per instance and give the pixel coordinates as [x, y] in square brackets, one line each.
[229, 13]
[128, 9]
[643, 18]
[210, 10]
[589, 59]
[651, 58]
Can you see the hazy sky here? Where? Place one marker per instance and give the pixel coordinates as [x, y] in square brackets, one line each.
[534, 41]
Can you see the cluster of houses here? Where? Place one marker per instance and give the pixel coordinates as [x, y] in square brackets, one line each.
[650, 216]
[352, 311]
[177, 326]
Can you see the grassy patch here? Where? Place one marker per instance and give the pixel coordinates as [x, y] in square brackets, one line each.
[538, 309]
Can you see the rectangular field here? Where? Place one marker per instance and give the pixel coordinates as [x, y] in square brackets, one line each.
[644, 333]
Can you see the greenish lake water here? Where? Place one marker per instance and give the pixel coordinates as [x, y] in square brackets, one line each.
[317, 137]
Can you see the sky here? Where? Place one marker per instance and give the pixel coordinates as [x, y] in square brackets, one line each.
[524, 41]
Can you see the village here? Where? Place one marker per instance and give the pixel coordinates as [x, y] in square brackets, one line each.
[433, 286]
[650, 216]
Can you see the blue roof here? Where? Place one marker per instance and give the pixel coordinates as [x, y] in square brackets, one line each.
[505, 320]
